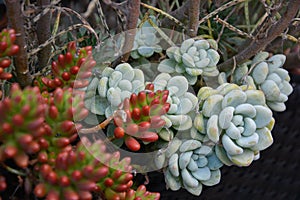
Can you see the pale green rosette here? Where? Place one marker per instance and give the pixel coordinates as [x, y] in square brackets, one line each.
[190, 165]
[192, 59]
[181, 102]
[108, 92]
[269, 76]
[237, 120]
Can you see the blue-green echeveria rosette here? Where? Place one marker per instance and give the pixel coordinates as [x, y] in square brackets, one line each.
[237, 120]
[112, 88]
[190, 164]
[146, 43]
[182, 103]
[269, 76]
[192, 59]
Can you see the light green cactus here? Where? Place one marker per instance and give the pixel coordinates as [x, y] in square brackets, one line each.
[192, 59]
[237, 120]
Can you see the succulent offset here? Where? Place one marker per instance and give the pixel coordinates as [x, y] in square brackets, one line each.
[139, 117]
[192, 59]
[190, 164]
[237, 120]
[72, 69]
[7, 48]
[269, 76]
[146, 43]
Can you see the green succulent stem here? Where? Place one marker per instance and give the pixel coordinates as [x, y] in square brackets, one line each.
[12, 170]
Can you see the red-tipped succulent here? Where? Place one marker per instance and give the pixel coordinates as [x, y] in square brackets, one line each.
[21, 124]
[140, 116]
[71, 69]
[7, 48]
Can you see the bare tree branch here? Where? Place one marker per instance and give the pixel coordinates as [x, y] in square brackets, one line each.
[43, 34]
[261, 43]
[132, 19]
[194, 17]
[16, 21]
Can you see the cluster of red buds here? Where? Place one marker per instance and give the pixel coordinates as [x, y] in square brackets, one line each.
[77, 173]
[140, 117]
[72, 69]
[7, 48]
[21, 124]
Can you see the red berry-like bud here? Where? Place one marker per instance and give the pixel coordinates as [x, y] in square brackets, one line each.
[121, 188]
[118, 121]
[10, 151]
[136, 114]
[149, 136]
[76, 175]
[54, 68]
[144, 126]
[40, 190]
[21, 160]
[13, 50]
[131, 129]
[87, 185]
[66, 76]
[142, 98]
[157, 122]
[62, 142]
[88, 171]
[119, 132]
[7, 128]
[53, 195]
[108, 182]
[150, 86]
[85, 195]
[68, 58]
[33, 147]
[53, 112]
[132, 144]
[150, 97]
[45, 169]
[74, 70]
[133, 99]
[5, 63]
[5, 76]
[18, 120]
[70, 194]
[64, 181]
[61, 60]
[125, 178]
[25, 110]
[52, 177]
[3, 185]
[3, 46]
[43, 157]
[44, 144]
[58, 82]
[100, 173]
[146, 110]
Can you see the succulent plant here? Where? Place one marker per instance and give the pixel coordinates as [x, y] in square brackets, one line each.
[114, 86]
[237, 120]
[146, 43]
[7, 48]
[181, 103]
[140, 116]
[71, 70]
[190, 164]
[269, 76]
[192, 59]
[21, 124]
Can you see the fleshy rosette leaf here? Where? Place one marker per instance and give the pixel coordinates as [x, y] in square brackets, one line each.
[190, 164]
[146, 43]
[114, 86]
[71, 69]
[21, 124]
[192, 59]
[7, 48]
[139, 117]
[269, 76]
[238, 120]
[181, 103]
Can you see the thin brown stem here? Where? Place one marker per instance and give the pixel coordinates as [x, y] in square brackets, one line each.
[132, 20]
[194, 17]
[261, 43]
[96, 128]
[16, 21]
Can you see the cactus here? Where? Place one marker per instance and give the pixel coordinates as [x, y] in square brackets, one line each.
[237, 120]
[7, 48]
[192, 59]
[71, 70]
